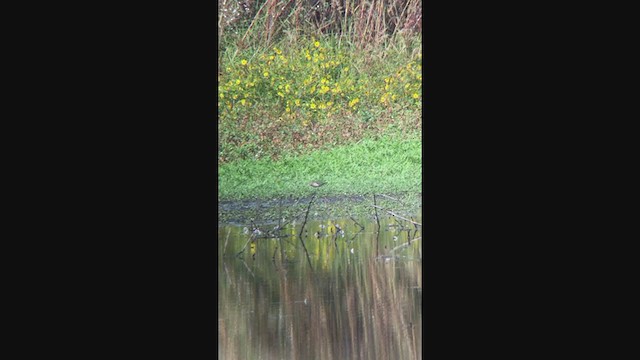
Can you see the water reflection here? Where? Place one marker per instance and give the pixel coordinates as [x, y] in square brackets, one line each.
[356, 295]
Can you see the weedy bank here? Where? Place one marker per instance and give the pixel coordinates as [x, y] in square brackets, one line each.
[311, 90]
[299, 76]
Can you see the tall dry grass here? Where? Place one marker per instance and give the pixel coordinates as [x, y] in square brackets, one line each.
[365, 23]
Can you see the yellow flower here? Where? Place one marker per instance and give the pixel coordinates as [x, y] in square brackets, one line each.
[415, 95]
[243, 101]
[277, 50]
[353, 102]
[313, 106]
[288, 109]
[243, 62]
[238, 82]
[266, 74]
[316, 44]
[221, 95]
[297, 102]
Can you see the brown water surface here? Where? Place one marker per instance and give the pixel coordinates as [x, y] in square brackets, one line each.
[350, 294]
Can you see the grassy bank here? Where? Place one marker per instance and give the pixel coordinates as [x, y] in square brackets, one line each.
[387, 165]
[319, 90]
[316, 94]
[295, 77]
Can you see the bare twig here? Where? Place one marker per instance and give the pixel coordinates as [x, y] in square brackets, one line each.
[392, 198]
[378, 232]
[376, 206]
[354, 220]
[306, 215]
[396, 215]
[302, 228]
[255, 18]
[389, 197]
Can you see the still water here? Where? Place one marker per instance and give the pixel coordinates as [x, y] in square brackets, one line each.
[346, 291]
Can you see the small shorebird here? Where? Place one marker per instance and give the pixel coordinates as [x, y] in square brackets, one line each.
[316, 183]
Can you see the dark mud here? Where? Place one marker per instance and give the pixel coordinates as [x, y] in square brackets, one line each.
[272, 211]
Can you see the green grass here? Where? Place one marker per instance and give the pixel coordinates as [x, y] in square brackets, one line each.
[386, 165]
[308, 93]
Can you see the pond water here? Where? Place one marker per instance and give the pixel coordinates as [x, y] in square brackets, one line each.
[342, 290]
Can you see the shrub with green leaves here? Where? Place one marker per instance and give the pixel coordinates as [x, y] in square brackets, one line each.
[311, 94]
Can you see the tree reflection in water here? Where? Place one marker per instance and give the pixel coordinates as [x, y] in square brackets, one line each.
[357, 296]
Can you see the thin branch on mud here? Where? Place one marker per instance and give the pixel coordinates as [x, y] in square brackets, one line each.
[302, 229]
[306, 215]
[387, 196]
[396, 215]
[376, 206]
[392, 198]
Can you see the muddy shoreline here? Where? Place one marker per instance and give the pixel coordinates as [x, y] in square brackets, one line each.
[267, 211]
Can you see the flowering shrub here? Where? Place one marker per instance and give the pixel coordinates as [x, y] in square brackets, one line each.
[292, 95]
